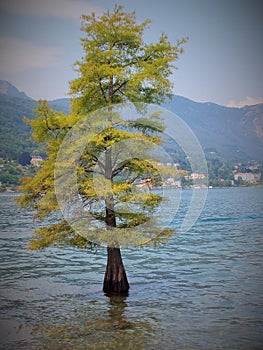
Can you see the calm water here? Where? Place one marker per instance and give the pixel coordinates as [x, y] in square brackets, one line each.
[202, 290]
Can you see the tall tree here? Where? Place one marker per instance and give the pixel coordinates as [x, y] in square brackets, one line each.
[117, 66]
[24, 158]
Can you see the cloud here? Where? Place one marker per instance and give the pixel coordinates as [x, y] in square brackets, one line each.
[18, 56]
[248, 101]
[69, 9]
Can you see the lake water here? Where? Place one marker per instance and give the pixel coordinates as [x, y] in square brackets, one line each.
[202, 290]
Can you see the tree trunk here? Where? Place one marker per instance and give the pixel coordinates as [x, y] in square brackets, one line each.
[115, 280]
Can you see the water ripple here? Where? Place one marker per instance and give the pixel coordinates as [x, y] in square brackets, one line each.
[202, 290]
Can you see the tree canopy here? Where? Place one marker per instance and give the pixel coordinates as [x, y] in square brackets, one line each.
[100, 156]
[117, 65]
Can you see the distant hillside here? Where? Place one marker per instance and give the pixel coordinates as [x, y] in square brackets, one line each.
[61, 104]
[10, 90]
[14, 133]
[234, 134]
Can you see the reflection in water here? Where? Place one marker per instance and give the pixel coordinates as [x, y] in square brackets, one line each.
[114, 331]
[116, 312]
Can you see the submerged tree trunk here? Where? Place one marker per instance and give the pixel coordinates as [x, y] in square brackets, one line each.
[115, 280]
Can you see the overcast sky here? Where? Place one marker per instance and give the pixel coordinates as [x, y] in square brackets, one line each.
[222, 62]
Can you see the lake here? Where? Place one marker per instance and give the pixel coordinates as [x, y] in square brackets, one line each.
[201, 290]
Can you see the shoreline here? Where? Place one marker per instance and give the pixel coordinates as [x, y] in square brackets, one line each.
[14, 191]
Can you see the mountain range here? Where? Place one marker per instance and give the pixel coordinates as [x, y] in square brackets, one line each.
[233, 134]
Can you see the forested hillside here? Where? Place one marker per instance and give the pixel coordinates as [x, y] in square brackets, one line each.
[232, 134]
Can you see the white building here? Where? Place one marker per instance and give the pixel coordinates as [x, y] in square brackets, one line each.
[195, 176]
[36, 160]
[248, 177]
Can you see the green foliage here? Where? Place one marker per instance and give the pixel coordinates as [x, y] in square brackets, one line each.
[24, 158]
[9, 179]
[14, 133]
[117, 66]
[220, 173]
[11, 172]
[59, 234]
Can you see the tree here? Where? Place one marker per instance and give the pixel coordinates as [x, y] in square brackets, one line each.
[24, 158]
[117, 67]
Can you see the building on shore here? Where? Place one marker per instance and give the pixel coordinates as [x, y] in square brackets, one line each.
[36, 160]
[248, 177]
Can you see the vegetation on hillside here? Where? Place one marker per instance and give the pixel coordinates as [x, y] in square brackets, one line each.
[14, 133]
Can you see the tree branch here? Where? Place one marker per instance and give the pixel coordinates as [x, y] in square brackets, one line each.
[101, 165]
[120, 86]
[101, 89]
[120, 168]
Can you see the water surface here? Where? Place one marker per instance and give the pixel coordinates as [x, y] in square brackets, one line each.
[202, 290]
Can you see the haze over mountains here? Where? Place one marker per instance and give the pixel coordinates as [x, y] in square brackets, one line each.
[10, 90]
[234, 134]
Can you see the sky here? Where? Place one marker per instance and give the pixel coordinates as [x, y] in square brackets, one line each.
[222, 61]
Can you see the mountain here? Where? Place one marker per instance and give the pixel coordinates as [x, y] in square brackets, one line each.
[10, 90]
[233, 134]
[60, 104]
[236, 134]
[14, 133]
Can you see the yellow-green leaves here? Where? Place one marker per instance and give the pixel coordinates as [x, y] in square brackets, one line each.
[110, 170]
[117, 65]
[48, 124]
[57, 234]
